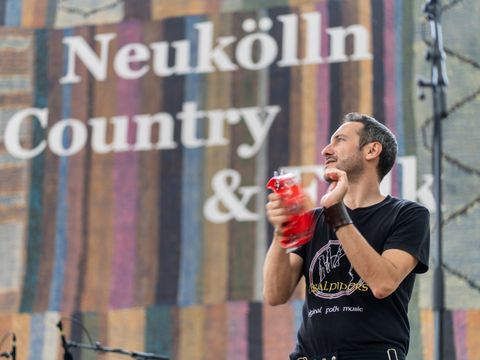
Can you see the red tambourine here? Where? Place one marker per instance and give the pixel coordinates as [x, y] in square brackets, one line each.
[299, 229]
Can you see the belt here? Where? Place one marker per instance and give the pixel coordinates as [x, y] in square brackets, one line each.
[374, 354]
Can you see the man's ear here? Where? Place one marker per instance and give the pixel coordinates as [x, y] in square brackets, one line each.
[373, 150]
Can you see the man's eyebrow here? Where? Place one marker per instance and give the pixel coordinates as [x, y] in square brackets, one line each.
[338, 136]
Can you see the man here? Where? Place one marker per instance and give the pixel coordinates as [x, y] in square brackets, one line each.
[360, 265]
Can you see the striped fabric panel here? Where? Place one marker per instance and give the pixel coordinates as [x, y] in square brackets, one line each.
[426, 323]
[35, 13]
[460, 334]
[170, 180]
[192, 189]
[216, 335]
[163, 8]
[62, 206]
[95, 329]
[404, 70]
[261, 175]
[473, 331]
[125, 186]
[308, 109]
[279, 142]
[16, 53]
[191, 333]
[400, 59]
[78, 170]
[160, 330]
[136, 10]
[16, 75]
[20, 325]
[36, 195]
[11, 250]
[6, 327]
[126, 330]
[365, 92]
[216, 237]
[322, 103]
[51, 178]
[297, 306]
[149, 209]
[241, 239]
[336, 111]
[349, 71]
[390, 79]
[43, 336]
[235, 330]
[12, 13]
[238, 347]
[96, 266]
[278, 323]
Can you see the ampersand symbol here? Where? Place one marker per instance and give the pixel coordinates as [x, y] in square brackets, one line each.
[224, 185]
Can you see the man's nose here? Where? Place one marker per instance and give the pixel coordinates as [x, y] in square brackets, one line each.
[327, 150]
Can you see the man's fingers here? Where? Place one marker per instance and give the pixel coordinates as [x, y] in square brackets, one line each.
[333, 174]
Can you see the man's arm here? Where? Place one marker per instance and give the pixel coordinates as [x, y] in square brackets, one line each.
[281, 273]
[383, 273]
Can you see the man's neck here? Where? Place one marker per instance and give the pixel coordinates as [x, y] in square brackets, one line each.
[363, 193]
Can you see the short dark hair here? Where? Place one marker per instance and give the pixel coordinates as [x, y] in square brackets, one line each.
[372, 131]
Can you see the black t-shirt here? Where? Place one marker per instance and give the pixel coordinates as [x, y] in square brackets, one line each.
[340, 312]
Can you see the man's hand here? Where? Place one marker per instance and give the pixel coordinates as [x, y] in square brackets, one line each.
[337, 189]
[277, 213]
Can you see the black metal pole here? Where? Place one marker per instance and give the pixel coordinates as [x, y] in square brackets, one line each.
[438, 82]
[102, 349]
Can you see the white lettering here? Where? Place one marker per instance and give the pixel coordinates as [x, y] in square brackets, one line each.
[99, 134]
[290, 40]
[129, 54]
[189, 116]
[207, 53]
[268, 48]
[57, 137]
[182, 58]
[194, 131]
[257, 127]
[314, 39]
[166, 131]
[96, 65]
[12, 133]
[338, 37]
[225, 183]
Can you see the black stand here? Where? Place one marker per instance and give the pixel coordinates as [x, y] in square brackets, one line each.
[438, 82]
[99, 348]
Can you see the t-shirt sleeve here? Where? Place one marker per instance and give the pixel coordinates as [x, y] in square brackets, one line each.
[412, 234]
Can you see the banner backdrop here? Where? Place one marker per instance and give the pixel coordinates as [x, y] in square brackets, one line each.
[136, 142]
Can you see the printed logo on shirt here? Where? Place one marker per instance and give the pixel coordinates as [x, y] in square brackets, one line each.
[325, 279]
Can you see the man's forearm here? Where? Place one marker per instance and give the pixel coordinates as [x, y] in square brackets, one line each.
[378, 272]
[280, 275]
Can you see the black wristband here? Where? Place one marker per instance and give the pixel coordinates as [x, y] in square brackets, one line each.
[337, 216]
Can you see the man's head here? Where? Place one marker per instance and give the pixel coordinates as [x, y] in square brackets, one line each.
[374, 131]
[359, 140]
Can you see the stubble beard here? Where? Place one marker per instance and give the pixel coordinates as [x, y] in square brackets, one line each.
[353, 166]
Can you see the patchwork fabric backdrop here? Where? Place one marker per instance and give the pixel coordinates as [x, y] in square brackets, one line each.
[136, 138]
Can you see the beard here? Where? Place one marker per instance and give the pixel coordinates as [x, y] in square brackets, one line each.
[352, 165]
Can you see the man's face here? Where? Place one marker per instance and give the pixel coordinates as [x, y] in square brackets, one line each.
[343, 152]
